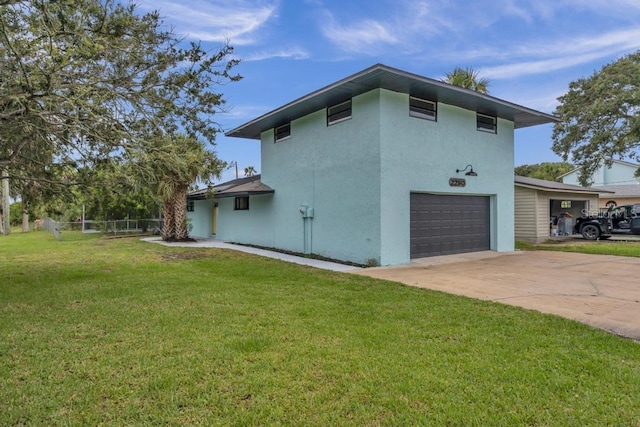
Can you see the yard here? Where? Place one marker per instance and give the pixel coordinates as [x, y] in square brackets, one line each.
[120, 332]
[599, 247]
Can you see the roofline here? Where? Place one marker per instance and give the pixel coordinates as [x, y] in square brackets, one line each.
[215, 192]
[558, 190]
[237, 132]
[244, 193]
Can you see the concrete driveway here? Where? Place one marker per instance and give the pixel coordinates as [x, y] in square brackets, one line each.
[600, 290]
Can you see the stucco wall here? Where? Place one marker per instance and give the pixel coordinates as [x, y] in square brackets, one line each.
[200, 219]
[617, 174]
[421, 155]
[620, 174]
[246, 226]
[333, 169]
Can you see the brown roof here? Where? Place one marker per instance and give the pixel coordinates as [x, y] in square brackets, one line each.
[247, 186]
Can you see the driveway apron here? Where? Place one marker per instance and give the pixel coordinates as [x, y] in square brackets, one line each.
[600, 290]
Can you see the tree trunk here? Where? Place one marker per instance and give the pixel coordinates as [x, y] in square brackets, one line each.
[168, 223]
[25, 218]
[180, 212]
[6, 225]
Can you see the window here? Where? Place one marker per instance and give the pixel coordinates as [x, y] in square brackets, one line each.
[486, 123]
[339, 113]
[423, 109]
[565, 204]
[241, 203]
[190, 206]
[283, 132]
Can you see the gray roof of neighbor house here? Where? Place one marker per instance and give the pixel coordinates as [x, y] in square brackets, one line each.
[248, 186]
[541, 184]
[627, 190]
[382, 76]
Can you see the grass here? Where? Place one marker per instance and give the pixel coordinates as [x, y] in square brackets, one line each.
[121, 332]
[600, 247]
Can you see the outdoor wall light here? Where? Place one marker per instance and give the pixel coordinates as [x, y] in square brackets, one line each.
[470, 173]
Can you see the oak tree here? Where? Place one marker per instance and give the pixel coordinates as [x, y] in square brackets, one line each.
[600, 117]
[85, 80]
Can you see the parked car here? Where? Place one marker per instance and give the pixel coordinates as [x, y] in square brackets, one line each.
[620, 219]
[625, 219]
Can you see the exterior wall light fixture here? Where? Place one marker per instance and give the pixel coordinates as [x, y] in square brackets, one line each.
[469, 173]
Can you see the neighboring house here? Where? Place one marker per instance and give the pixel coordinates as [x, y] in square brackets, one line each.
[618, 178]
[548, 208]
[380, 167]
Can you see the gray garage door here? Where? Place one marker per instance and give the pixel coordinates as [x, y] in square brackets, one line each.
[442, 225]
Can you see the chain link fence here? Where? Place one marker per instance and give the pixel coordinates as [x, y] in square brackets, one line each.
[115, 227]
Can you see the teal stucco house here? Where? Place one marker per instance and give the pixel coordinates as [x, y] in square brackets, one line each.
[380, 167]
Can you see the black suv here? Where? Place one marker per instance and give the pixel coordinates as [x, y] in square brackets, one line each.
[620, 219]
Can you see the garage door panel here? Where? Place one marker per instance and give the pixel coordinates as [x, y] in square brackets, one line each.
[448, 224]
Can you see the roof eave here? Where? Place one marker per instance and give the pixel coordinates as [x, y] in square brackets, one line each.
[558, 190]
[382, 76]
[243, 194]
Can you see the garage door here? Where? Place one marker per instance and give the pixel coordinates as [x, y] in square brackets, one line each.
[442, 225]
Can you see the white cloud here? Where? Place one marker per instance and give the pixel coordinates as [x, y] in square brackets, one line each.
[608, 7]
[565, 54]
[292, 53]
[536, 67]
[358, 37]
[513, 9]
[404, 26]
[234, 20]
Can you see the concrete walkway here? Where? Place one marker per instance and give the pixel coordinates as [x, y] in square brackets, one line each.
[213, 243]
[600, 290]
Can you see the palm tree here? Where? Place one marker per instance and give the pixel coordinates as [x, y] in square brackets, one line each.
[249, 171]
[171, 165]
[467, 78]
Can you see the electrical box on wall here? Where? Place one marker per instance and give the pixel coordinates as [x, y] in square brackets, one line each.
[306, 211]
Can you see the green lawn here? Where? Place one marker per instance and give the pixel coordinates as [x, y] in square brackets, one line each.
[601, 247]
[120, 332]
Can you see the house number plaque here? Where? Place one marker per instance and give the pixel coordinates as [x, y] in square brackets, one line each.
[457, 182]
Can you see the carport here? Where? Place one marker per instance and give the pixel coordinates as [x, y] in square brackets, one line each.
[547, 208]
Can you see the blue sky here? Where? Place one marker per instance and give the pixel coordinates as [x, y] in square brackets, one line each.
[530, 50]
